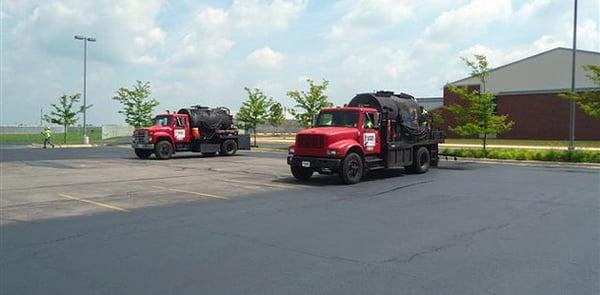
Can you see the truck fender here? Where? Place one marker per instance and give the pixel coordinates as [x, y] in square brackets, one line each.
[345, 145]
[163, 136]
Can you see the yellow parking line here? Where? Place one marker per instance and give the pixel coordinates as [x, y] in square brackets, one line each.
[94, 202]
[257, 183]
[190, 192]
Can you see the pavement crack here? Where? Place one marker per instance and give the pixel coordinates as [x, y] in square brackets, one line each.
[298, 251]
[455, 240]
[401, 187]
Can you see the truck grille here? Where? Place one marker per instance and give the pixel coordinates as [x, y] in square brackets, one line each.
[140, 137]
[311, 141]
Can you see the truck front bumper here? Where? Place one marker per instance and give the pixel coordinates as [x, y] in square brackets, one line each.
[313, 162]
[143, 146]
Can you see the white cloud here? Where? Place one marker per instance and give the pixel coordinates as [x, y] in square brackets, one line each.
[265, 58]
[468, 20]
[266, 15]
[126, 30]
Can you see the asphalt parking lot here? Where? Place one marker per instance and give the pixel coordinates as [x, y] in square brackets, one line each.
[103, 222]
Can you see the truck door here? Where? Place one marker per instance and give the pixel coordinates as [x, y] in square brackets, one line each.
[370, 134]
[180, 129]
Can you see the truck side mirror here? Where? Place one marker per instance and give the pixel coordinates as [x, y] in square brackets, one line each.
[377, 119]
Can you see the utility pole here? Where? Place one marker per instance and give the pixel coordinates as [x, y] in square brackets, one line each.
[572, 100]
[85, 39]
[41, 116]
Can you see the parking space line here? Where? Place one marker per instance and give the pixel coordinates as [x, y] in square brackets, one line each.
[94, 203]
[257, 183]
[190, 192]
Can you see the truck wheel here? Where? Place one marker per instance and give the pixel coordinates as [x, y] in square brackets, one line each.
[143, 154]
[421, 161]
[163, 150]
[352, 169]
[228, 148]
[301, 173]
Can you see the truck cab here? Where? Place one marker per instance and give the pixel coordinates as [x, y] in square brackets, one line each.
[175, 132]
[355, 139]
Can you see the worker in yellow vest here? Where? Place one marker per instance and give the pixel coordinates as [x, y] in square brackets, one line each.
[47, 134]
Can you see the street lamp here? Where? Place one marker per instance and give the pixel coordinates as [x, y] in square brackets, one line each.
[572, 100]
[85, 39]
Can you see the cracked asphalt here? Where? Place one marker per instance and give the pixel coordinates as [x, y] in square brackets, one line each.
[242, 225]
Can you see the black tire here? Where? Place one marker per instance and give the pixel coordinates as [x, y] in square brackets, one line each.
[352, 169]
[228, 148]
[163, 150]
[143, 154]
[421, 161]
[301, 173]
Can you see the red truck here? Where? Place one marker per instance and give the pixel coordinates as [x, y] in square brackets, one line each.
[196, 129]
[378, 130]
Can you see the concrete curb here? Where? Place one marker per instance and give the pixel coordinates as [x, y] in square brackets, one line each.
[64, 146]
[526, 163]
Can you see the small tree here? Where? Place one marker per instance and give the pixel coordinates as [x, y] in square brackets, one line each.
[588, 101]
[254, 111]
[310, 102]
[65, 113]
[476, 115]
[276, 115]
[137, 107]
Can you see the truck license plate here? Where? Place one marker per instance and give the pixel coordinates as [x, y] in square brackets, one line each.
[305, 164]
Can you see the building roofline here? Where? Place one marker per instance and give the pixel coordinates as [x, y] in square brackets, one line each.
[528, 58]
[546, 91]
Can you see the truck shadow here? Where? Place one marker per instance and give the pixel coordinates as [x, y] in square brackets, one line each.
[328, 180]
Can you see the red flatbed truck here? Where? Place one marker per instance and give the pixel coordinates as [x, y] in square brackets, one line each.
[378, 130]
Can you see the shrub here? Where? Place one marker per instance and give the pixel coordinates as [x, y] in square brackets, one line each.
[531, 155]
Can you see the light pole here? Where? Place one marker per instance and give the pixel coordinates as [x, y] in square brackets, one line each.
[572, 100]
[85, 39]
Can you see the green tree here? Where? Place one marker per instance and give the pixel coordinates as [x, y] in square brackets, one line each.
[476, 115]
[137, 106]
[65, 113]
[589, 101]
[310, 102]
[276, 115]
[254, 111]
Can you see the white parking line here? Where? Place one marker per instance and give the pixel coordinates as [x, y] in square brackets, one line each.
[93, 202]
[190, 192]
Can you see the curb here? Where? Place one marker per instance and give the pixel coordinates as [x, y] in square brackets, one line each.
[64, 146]
[548, 164]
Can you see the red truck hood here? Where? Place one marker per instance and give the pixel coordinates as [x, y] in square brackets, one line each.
[335, 133]
[155, 128]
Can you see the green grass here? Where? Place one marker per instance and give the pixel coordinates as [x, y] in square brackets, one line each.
[494, 141]
[57, 138]
[531, 155]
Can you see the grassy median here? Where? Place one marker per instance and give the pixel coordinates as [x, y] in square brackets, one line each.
[57, 138]
[530, 155]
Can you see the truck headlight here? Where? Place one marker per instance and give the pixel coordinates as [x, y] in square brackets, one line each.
[332, 152]
[291, 150]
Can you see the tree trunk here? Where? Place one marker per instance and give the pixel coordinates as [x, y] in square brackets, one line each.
[65, 134]
[254, 131]
[484, 142]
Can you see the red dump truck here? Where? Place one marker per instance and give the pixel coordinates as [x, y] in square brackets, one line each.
[378, 130]
[209, 131]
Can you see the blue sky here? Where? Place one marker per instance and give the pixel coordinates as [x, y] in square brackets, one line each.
[206, 52]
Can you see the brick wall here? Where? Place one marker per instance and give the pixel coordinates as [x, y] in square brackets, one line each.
[536, 116]
[545, 116]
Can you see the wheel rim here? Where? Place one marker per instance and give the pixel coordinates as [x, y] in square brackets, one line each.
[229, 148]
[164, 150]
[423, 159]
[353, 169]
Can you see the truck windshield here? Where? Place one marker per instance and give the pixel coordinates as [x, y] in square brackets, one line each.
[162, 121]
[338, 119]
